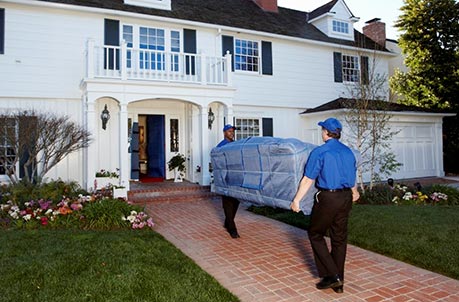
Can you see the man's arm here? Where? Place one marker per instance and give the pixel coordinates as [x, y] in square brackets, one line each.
[303, 188]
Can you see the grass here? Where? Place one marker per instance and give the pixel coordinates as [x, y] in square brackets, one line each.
[123, 265]
[425, 236]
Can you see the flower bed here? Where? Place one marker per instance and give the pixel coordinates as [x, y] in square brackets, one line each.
[401, 194]
[83, 212]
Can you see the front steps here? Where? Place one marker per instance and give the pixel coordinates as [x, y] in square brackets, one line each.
[168, 192]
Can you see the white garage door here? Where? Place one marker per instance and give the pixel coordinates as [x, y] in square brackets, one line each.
[415, 148]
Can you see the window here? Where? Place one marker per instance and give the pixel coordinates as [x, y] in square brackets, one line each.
[247, 127]
[128, 36]
[174, 133]
[175, 47]
[351, 69]
[7, 152]
[246, 55]
[152, 46]
[340, 27]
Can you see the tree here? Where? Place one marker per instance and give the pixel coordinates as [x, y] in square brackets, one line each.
[430, 42]
[370, 131]
[36, 143]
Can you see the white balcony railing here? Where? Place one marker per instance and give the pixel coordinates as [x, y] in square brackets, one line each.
[125, 63]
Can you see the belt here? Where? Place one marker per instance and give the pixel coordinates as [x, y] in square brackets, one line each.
[333, 190]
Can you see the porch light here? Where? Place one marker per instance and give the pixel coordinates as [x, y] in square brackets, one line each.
[105, 116]
[210, 118]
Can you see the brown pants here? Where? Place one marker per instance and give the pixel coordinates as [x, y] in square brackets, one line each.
[230, 206]
[330, 212]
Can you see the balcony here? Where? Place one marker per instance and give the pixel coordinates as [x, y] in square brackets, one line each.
[126, 63]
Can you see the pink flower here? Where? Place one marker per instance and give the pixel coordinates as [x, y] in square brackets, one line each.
[76, 206]
[150, 222]
[44, 220]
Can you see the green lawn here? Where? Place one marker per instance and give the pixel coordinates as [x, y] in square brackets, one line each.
[72, 265]
[425, 236]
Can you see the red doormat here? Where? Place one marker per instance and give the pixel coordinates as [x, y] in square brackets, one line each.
[151, 179]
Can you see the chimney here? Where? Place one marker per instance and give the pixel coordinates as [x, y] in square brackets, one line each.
[267, 5]
[376, 30]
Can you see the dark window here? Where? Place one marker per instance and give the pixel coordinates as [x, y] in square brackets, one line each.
[174, 130]
[2, 30]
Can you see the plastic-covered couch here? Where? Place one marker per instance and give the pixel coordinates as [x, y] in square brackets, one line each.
[262, 170]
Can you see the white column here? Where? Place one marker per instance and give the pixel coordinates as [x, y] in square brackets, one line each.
[123, 60]
[229, 68]
[229, 115]
[205, 149]
[90, 58]
[91, 151]
[125, 159]
[203, 68]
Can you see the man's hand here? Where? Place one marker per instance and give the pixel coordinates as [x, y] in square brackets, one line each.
[295, 206]
[355, 194]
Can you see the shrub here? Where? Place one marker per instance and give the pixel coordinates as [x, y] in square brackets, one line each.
[452, 194]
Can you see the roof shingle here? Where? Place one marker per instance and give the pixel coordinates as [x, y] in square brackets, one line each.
[244, 14]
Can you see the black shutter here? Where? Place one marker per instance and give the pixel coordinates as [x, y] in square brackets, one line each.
[189, 46]
[112, 38]
[2, 30]
[364, 70]
[267, 126]
[338, 67]
[267, 58]
[228, 45]
[134, 149]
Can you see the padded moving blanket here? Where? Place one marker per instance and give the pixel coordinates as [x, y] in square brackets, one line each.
[262, 170]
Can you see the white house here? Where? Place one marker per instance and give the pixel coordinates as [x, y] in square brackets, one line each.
[180, 69]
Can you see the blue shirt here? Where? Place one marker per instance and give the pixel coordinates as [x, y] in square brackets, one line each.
[223, 142]
[333, 165]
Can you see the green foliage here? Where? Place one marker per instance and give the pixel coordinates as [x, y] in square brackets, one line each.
[177, 161]
[452, 193]
[430, 42]
[54, 190]
[77, 265]
[106, 214]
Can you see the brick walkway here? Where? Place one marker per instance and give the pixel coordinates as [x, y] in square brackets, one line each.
[272, 261]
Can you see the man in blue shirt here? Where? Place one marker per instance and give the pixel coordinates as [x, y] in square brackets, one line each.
[230, 204]
[332, 166]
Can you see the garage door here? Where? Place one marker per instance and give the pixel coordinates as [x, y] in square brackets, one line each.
[415, 148]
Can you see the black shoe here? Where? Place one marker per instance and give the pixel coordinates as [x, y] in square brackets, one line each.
[338, 290]
[234, 234]
[329, 282]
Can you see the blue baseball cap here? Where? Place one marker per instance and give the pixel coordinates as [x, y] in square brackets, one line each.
[332, 125]
[228, 127]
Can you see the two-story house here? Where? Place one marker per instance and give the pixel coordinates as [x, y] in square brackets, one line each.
[175, 71]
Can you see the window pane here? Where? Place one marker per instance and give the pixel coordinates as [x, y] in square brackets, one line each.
[174, 135]
[246, 55]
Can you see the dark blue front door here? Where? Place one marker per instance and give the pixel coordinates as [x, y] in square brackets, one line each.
[156, 148]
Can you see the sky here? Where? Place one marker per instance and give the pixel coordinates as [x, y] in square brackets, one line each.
[387, 10]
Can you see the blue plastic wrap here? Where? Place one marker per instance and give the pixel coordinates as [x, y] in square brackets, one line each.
[263, 171]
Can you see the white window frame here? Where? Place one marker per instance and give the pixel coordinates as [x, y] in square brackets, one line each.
[167, 43]
[4, 146]
[259, 65]
[248, 129]
[349, 70]
[341, 25]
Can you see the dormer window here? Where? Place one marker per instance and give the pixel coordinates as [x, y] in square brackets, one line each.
[158, 4]
[340, 27]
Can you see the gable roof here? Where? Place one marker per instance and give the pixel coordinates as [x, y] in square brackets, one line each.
[378, 105]
[326, 9]
[244, 14]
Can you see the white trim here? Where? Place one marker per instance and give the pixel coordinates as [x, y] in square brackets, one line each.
[329, 14]
[193, 23]
[157, 4]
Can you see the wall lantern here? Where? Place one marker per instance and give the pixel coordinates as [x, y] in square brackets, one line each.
[210, 118]
[105, 116]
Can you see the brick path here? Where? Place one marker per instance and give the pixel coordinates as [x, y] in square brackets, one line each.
[272, 261]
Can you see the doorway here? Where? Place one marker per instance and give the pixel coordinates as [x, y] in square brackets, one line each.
[152, 148]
